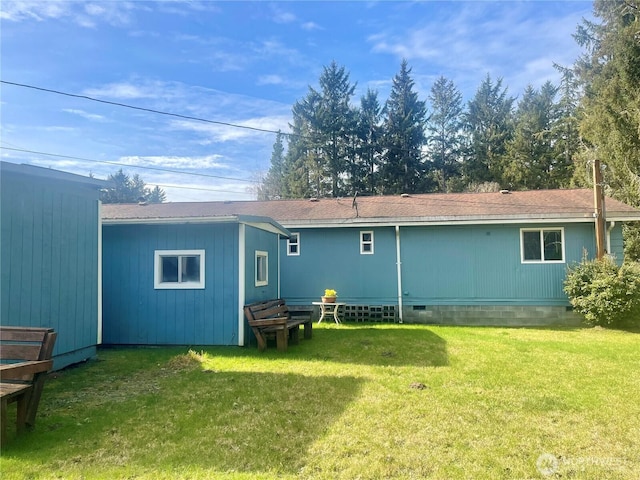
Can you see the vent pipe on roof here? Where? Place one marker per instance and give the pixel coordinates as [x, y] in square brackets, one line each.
[405, 195]
[505, 192]
[313, 199]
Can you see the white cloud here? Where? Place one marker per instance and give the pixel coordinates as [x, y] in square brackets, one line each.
[83, 114]
[311, 26]
[83, 14]
[270, 80]
[227, 133]
[176, 162]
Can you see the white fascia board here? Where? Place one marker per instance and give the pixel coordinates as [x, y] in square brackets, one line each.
[439, 221]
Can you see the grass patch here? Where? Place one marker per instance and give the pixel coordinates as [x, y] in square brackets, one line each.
[357, 401]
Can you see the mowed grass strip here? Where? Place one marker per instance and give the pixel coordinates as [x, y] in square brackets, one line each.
[358, 401]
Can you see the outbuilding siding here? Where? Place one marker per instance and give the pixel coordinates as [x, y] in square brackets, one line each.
[136, 313]
[49, 257]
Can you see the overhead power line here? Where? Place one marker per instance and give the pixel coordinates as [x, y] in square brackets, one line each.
[119, 164]
[150, 110]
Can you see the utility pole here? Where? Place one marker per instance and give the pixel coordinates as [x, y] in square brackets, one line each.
[598, 199]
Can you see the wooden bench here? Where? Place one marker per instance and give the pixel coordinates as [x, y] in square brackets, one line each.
[274, 317]
[25, 360]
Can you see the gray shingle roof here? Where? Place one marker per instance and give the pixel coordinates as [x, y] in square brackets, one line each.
[543, 205]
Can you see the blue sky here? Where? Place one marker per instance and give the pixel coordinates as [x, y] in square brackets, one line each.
[243, 63]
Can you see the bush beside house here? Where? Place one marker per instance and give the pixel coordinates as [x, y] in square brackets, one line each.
[606, 294]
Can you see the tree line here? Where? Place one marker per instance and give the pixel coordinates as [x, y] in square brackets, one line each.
[546, 138]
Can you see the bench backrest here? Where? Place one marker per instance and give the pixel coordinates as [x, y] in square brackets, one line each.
[26, 343]
[269, 313]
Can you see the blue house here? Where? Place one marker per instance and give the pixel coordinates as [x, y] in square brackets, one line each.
[184, 279]
[471, 258]
[50, 256]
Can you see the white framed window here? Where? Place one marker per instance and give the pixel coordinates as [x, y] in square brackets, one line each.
[178, 269]
[262, 268]
[366, 242]
[293, 244]
[542, 245]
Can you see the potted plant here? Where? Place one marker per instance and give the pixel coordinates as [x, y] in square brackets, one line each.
[329, 296]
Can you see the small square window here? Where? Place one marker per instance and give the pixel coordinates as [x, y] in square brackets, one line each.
[366, 243]
[293, 244]
[262, 268]
[542, 245]
[179, 269]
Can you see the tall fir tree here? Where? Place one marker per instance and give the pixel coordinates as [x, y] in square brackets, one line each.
[405, 117]
[445, 133]
[126, 189]
[489, 125]
[324, 125]
[531, 152]
[609, 72]
[272, 186]
[364, 170]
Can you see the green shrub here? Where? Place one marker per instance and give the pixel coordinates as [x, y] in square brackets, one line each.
[607, 295]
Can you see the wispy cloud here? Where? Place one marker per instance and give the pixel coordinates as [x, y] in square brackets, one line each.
[86, 15]
[227, 133]
[205, 162]
[477, 38]
[83, 114]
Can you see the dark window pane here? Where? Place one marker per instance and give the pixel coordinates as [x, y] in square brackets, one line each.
[293, 248]
[531, 245]
[366, 247]
[366, 237]
[191, 269]
[261, 268]
[553, 245]
[169, 269]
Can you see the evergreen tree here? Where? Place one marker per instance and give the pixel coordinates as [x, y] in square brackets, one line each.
[445, 135]
[404, 137]
[531, 152]
[127, 189]
[489, 126]
[156, 195]
[364, 170]
[609, 73]
[272, 185]
[322, 141]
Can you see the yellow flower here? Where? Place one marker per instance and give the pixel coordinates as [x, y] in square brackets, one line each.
[329, 292]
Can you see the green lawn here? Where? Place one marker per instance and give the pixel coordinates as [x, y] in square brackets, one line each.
[358, 401]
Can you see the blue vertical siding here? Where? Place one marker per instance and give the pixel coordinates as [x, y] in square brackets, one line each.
[49, 257]
[136, 313]
[330, 258]
[475, 265]
[441, 265]
[256, 239]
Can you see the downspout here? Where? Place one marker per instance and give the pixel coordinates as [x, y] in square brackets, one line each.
[241, 283]
[612, 224]
[399, 272]
[279, 266]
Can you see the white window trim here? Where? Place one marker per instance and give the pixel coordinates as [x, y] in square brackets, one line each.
[158, 284]
[262, 283]
[363, 243]
[296, 254]
[542, 230]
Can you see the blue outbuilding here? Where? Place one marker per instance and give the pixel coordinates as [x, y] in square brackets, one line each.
[50, 256]
[184, 280]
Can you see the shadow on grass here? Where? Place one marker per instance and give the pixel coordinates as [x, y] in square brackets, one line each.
[179, 419]
[370, 344]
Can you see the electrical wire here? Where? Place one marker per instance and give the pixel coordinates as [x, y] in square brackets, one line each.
[119, 164]
[150, 110]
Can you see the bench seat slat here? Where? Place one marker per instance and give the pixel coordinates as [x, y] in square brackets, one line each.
[21, 334]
